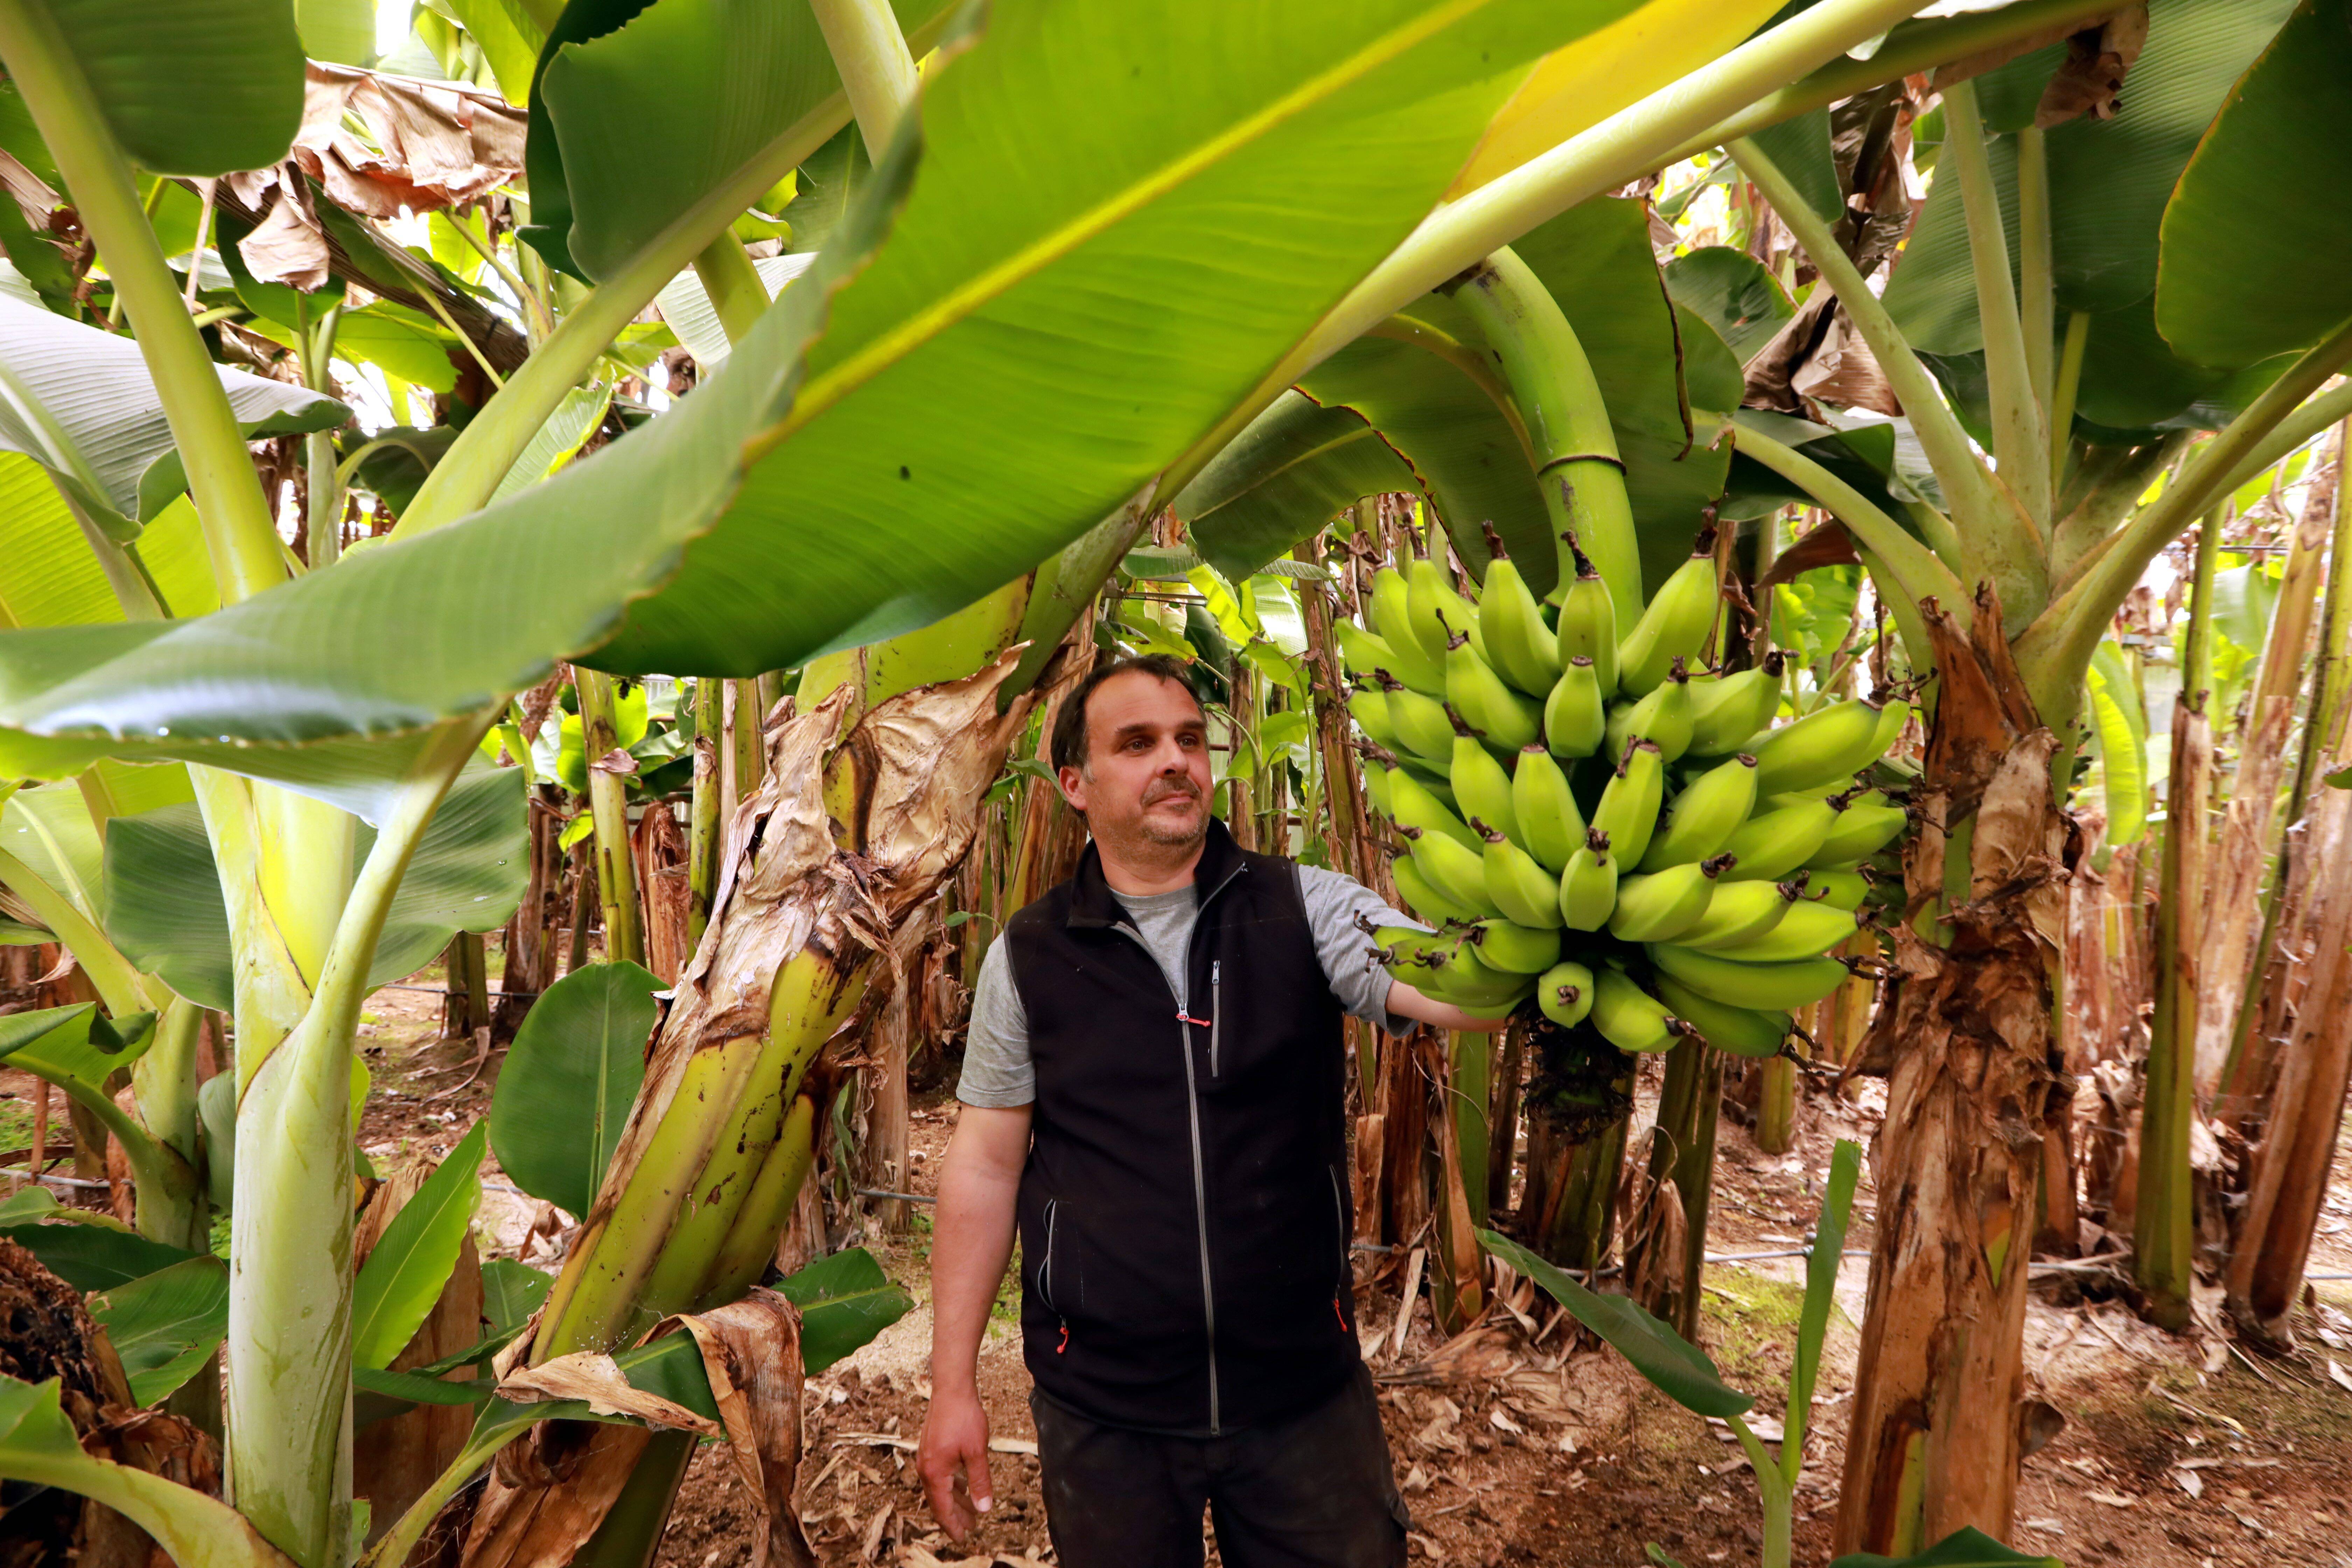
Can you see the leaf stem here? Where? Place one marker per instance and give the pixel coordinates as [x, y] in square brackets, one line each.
[2019, 440]
[737, 293]
[1916, 569]
[2062, 395]
[878, 72]
[1968, 486]
[240, 536]
[2055, 649]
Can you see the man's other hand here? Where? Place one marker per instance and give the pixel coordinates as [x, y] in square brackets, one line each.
[955, 1447]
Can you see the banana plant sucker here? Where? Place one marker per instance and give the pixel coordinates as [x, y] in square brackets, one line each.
[608, 807]
[1577, 470]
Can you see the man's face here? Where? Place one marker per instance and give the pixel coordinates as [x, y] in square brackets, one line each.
[1146, 777]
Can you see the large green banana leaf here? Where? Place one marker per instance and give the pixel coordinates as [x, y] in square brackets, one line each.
[639, 110]
[2251, 266]
[189, 87]
[163, 908]
[79, 402]
[1461, 450]
[1081, 283]
[2109, 181]
[51, 579]
[571, 1075]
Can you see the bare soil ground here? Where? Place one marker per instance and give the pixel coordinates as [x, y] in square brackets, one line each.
[2174, 1450]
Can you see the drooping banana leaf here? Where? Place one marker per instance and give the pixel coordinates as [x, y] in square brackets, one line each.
[953, 376]
[37, 1444]
[2119, 737]
[1295, 466]
[189, 87]
[2223, 297]
[52, 578]
[165, 913]
[82, 405]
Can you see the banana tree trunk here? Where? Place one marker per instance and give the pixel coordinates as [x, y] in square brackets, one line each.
[2298, 1054]
[1974, 1083]
[2163, 1229]
[2235, 920]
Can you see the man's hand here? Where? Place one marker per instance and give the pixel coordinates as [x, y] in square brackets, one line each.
[955, 1446]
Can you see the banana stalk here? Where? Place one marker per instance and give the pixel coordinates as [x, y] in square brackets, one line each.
[1577, 470]
[702, 834]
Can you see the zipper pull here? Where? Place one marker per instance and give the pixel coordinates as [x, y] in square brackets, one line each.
[1064, 1347]
[1184, 1017]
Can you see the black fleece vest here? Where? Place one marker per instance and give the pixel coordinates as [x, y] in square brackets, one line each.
[1184, 1212]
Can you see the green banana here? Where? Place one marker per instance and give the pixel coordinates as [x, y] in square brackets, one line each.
[1420, 722]
[1575, 717]
[1458, 875]
[1565, 994]
[1456, 974]
[1438, 613]
[1726, 710]
[1410, 805]
[1740, 912]
[1588, 884]
[1839, 890]
[1628, 811]
[1588, 623]
[1799, 983]
[1505, 719]
[1361, 652]
[1664, 716]
[1862, 830]
[1418, 667]
[1550, 825]
[1523, 891]
[1515, 948]
[1675, 625]
[1769, 846]
[1662, 906]
[1832, 742]
[1522, 648]
[1701, 819]
[1808, 930]
[1481, 788]
[1421, 897]
[1628, 1018]
[1891, 720]
[1740, 1031]
[1369, 707]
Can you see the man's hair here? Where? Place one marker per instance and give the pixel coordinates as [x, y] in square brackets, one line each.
[1069, 749]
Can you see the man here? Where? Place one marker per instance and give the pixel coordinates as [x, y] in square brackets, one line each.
[1152, 1090]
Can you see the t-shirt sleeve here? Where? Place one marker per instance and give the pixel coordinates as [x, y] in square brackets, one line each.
[1334, 902]
[997, 1072]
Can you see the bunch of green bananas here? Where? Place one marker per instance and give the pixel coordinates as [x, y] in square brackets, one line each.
[1590, 825]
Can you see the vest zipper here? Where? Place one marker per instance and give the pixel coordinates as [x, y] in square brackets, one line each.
[1192, 1116]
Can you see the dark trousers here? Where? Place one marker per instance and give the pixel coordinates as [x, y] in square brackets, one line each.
[1313, 1491]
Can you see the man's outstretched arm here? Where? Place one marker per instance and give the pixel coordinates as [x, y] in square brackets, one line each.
[1407, 1001]
[971, 1240]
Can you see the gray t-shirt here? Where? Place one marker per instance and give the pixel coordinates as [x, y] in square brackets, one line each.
[996, 1068]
